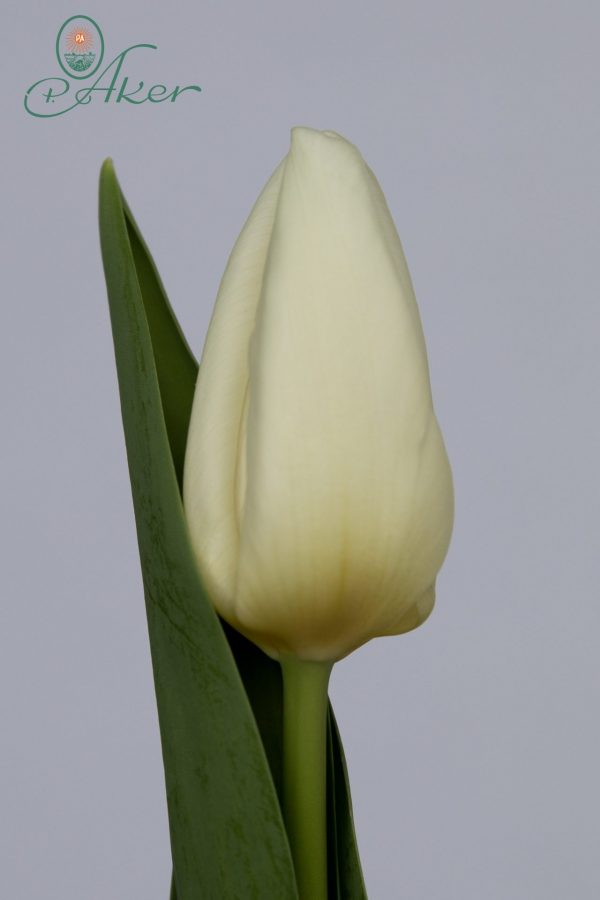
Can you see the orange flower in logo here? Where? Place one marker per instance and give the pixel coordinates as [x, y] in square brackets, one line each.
[79, 40]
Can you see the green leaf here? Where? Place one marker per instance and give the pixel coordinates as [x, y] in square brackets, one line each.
[351, 885]
[227, 835]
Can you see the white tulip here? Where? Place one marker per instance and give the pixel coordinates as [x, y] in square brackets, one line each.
[317, 488]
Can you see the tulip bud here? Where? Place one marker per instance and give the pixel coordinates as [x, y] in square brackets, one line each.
[317, 488]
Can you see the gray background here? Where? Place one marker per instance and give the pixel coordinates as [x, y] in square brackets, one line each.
[472, 743]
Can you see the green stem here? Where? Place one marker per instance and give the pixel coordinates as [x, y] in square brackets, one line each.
[304, 798]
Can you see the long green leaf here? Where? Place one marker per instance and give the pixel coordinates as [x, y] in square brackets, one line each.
[175, 371]
[227, 834]
[351, 885]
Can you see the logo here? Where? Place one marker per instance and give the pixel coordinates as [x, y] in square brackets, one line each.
[80, 55]
[80, 44]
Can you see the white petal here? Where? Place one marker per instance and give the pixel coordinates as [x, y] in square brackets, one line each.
[348, 504]
[211, 466]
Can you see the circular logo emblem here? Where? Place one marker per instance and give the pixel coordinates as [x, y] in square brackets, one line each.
[79, 47]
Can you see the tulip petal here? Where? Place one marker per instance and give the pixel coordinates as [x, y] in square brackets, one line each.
[214, 472]
[337, 541]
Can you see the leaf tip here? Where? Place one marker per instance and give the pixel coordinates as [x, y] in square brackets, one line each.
[108, 174]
